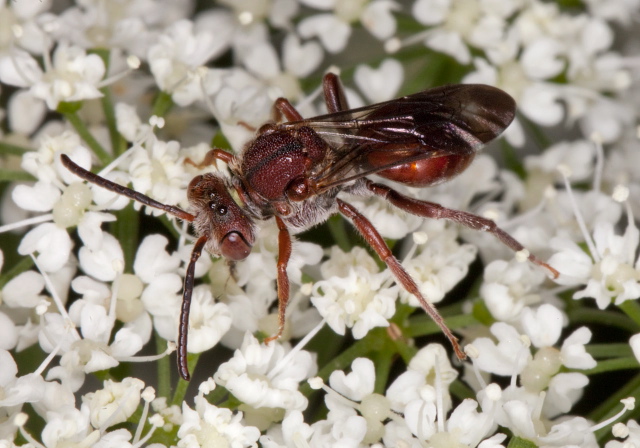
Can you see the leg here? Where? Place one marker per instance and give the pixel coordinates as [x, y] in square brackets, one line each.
[284, 253]
[436, 211]
[183, 327]
[211, 157]
[376, 241]
[334, 93]
[283, 108]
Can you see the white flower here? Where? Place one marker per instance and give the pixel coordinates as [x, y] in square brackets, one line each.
[209, 425]
[579, 155]
[508, 357]
[380, 84]
[158, 171]
[356, 299]
[454, 25]
[238, 97]
[52, 244]
[573, 352]
[357, 384]
[576, 431]
[419, 381]
[16, 390]
[291, 431]
[24, 16]
[102, 258]
[73, 75]
[298, 61]
[68, 425]
[634, 342]
[334, 28]
[612, 273]
[254, 375]
[509, 287]
[181, 50]
[441, 263]
[208, 321]
[544, 325]
[564, 390]
[115, 403]
[632, 438]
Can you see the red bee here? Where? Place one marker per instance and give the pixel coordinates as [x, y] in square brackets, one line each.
[293, 171]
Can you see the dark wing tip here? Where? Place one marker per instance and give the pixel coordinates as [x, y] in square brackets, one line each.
[488, 110]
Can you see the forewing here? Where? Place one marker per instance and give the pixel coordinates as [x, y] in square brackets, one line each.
[454, 119]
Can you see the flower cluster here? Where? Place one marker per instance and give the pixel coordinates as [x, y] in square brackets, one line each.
[138, 92]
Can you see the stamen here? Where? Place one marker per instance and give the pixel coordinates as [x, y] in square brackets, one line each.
[26, 222]
[20, 420]
[299, 346]
[596, 138]
[44, 364]
[150, 358]
[579, 218]
[133, 65]
[473, 353]
[628, 403]
[148, 395]
[156, 422]
[394, 45]
[56, 298]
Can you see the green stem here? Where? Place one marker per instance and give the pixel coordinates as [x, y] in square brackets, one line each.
[612, 365]
[126, 229]
[182, 386]
[539, 136]
[85, 135]
[8, 148]
[517, 442]
[423, 325]
[632, 309]
[168, 224]
[603, 317]
[339, 233]
[117, 142]
[382, 364]
[461, 391]
[162, 104]
[11, 176]
[600, 351]
[217, 395]
[406, 351]
[512, 159]
[164, 368]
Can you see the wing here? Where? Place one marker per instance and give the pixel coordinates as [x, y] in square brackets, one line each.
[455, 119]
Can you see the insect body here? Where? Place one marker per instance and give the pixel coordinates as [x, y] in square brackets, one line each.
[293, 171]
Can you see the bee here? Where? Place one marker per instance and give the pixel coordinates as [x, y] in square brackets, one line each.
[294, 169]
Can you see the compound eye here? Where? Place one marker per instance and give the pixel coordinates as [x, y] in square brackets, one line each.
[234, 247]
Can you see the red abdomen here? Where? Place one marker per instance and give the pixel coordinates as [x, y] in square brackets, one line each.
[419, 173]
